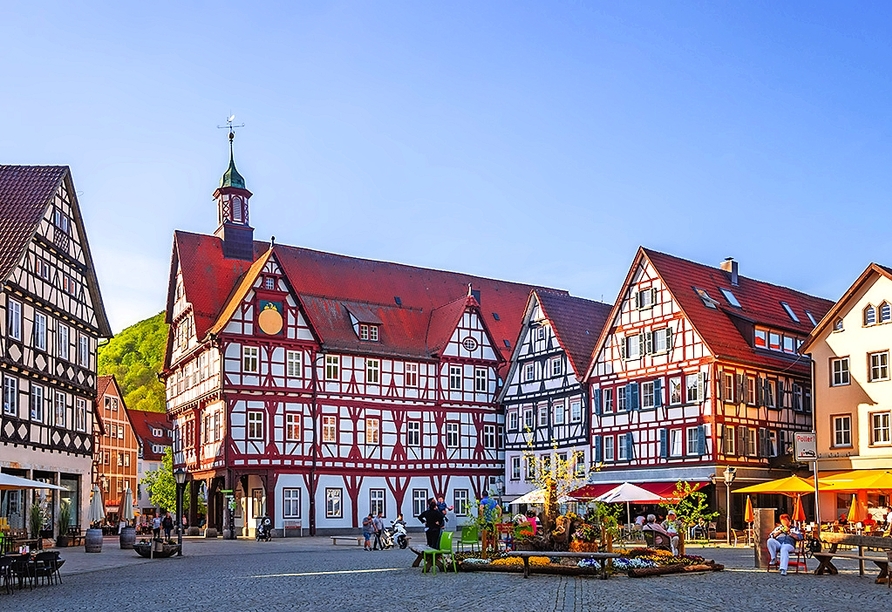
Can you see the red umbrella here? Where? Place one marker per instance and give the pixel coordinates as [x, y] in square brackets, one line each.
[798, 510]
[749, 516]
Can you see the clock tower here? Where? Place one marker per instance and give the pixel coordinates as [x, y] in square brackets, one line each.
[232, 212]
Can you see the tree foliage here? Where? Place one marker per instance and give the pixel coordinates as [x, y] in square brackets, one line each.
[692, 506]
[162, 486]
[135, 357]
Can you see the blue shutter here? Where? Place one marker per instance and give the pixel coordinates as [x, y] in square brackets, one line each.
[632, 396]
[658, 392]
[664, 443]
[596, 400]
[599, 450]
[630, 446]
[701, 440]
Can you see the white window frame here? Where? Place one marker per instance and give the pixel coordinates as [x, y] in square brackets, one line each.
[80, 415]
[332, 367]
[529, 418]
[556, 366]
[291, 502]
[647, 395]
[411, 374]
[693, 443]
[59, 407]
[622, 447]
[413, 433]
[607, 398]
[730, 434]
[880, 431]
[372, 371]
[513, 420]
[37, 403]
[329, 429]
[676, 392]
[10, 395]
[455, 378]
[675, 443]
[515, 467]
[481, 380]
[372, 431]
[419, 501]
[460, 502]
[609, 446]
[631, 342]
[559, 407]
[250, 359]
[63, 344]
[40, 324]
[542, 412]
[14, 319]
[842, 430]
[377, 501]
[529, 372]
[452, 436]
[489, 437]
[691, 389]
[294, 364]
[575, 411]
[293, 426]
[334, 507]
[621, 405]
[879, 365]
[839, 372]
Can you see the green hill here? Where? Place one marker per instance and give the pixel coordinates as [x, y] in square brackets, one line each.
[135, 357]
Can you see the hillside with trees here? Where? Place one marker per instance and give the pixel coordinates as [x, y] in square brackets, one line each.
[134, 357]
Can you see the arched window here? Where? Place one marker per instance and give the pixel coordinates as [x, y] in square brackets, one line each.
[885, 312]
[837, 325]
[236, 204]
[870, 315]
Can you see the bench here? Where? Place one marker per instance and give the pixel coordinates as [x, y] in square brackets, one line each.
[419, 557]
[826, 564]
[346, 539]
[601, 557]
[292, 526]
[835, 540]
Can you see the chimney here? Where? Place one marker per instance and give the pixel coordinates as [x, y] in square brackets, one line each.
[730, 266]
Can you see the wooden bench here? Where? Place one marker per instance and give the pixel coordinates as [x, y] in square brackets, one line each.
[835, 540]
[291, 526]
[601, 557]
[826, 564]
[347, 539]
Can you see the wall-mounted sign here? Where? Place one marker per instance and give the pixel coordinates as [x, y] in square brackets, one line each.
[805, 446]
[270, 317]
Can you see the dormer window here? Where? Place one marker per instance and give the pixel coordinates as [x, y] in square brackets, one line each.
[368, 332]
[870, 315]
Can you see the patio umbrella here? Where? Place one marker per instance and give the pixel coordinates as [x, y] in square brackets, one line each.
[9, 482]
[791, 485]
[97, 510]
[629, 493]
[749, 516]
[798, 510]
[126, 512]
[854, 511]
[537, 496]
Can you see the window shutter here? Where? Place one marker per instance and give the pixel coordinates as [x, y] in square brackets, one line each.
[701, 440]
[668, 338]
[741, 388]
[741, 441]
[642, 344]
[806, 405]
[630, 446]
[596, 400]
[782, 442]
[664, 443]
[648, 342]
[763, 443]
[622, 347]
[720, 386]
[632, 396]
[653, 295]
[637, 299]
[658, 392]
[701, 386]
[720, 429]
[599, 449]
[781, 391]
[797, 397]
[762, 392]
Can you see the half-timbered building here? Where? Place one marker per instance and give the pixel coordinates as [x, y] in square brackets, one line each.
[116, 449]
[51, 318]
[697, 370]
[545, 398]
[319, 387]
[154, 435]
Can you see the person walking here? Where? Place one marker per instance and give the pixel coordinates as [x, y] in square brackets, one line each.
[378, 524]
[367, 528]
[167, 524]
[156, 527]
[433, 524]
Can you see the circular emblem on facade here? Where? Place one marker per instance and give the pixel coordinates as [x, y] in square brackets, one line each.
[270, 320]
[470, 344]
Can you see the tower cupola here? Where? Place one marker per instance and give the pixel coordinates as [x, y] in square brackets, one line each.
[232, 211]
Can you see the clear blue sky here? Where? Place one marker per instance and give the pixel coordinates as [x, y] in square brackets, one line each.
[539, 142]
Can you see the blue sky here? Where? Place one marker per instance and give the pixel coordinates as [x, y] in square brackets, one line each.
[538, 142]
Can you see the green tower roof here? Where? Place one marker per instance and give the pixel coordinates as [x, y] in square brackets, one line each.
[231, 178]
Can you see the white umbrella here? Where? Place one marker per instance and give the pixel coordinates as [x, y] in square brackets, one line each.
[127, 505]
[97, 510]
[537, 496]
[629, 493]
[10, 482]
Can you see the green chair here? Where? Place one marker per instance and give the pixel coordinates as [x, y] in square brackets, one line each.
[470, 536]
[445, 549]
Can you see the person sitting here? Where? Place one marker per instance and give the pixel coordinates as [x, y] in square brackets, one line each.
[533, 521]
[661, 537]
[784, 539]
[673, 527]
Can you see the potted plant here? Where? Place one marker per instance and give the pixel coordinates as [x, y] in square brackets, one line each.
[35, 520]
[64, 523]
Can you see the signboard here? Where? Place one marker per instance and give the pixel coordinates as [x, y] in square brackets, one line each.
[805, 447]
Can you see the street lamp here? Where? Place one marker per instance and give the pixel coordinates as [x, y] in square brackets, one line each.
[728, 475]
[180, 476]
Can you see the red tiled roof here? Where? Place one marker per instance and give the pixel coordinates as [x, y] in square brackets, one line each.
[443, 321]
[142, 423]
[577, 323]
[760, 303]
[102, 383]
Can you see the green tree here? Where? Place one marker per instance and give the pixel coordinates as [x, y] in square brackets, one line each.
[691, 507]
[135, 357]
[162, 487]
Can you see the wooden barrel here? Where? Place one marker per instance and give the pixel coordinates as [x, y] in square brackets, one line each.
[93, 541]
[128, 538]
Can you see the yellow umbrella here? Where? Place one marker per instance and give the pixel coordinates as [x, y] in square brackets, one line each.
[798, 510]
[854, 511]
[877, 481]
[749, 516]
[791, 485]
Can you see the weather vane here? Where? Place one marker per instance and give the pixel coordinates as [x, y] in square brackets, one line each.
[231, 127]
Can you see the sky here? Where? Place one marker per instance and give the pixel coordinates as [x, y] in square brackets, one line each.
[540, 142]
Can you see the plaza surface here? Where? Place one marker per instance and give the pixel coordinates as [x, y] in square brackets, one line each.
[312, 574]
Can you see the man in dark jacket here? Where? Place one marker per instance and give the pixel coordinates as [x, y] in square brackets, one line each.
[433, 521]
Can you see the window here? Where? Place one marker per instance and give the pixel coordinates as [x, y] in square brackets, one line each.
[608, 449]
[59, 410]
[451, 435]
[732, 299]
[771, 438]
[730, 440]
[460, 502]
[750, 390]
[728, 388]
[675, 390]
[291, 503]
[332, 367]
[111, 403]
[330, 429]
[790, 344]
[647, 395]
[870, 315]
[255, 425]
[645, 298]
[879, 366]
[662, 340]
[751, 442]
[838, 325]
[770, 395]
[411, 374]
[529, 372]
[693, 440]
[623, 447]
[42, 268]
[40, 331]
[515, 468]
[413, 433]
[531, 468]
[63, 341]
[333, 502]
[292, 426]
[774, 341]
[560, 412]
[14, 319]
[376, 501]
[542, 411]
[489, 436]
[692, 388]
[372, 371]
[480, 380]
[708, 301]
[120, 459]
[675, 447]
[269, 283]
[879, 425]
[620, 399]
[83, 351]
[528, 418]
[293, 362]
[633, 347]
[372, 431]
[761, 338]
[455, 378]
[419, 501]
[842, 430]
[540, 332]
[839, 372]
[575, 411]
[80, 416]
[250, 360]
[368, 332]
[513, 420]
[36, 403]
[61, 221]
[885, 312]
[790, 312]
[556, 366]
[10, 395]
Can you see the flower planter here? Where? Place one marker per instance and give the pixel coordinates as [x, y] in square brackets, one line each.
[578, 546]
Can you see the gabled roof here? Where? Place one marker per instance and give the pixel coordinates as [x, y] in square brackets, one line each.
[407, 300]
[107, 384]
[143, 422]
[25, 194]
[842, 305]
[443, 321]
[577, 323]
[760, 304]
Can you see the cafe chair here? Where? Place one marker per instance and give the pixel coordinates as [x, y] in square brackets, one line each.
[797, 559]
[445, 549]
[23, 570]
[6, 573]
[470, 536]
[46, 567]
[656, 540]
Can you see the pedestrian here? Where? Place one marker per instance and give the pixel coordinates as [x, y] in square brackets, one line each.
[167, 524]
[433, 524]
[367, 527]
[185, 523]
[489, 511]
[378, 524]
[442, 507]
[156, 527]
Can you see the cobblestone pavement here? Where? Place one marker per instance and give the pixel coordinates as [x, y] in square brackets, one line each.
[311, 574]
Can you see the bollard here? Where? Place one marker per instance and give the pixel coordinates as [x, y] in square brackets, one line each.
[762, 528]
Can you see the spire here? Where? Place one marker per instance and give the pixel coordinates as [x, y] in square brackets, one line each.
[232, 178]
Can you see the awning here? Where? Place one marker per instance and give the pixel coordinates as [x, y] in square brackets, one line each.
[663, 489]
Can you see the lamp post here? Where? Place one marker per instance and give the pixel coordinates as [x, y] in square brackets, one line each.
[728, 475]
[180, 476]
